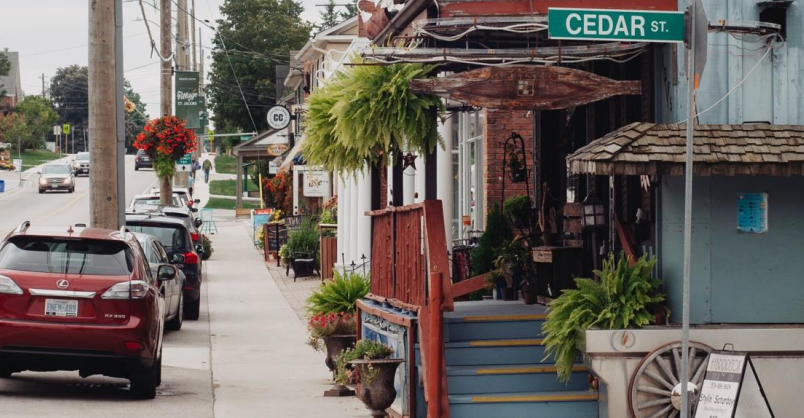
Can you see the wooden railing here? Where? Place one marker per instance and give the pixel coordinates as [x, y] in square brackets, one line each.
[410, 267]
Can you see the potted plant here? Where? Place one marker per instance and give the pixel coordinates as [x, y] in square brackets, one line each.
[518, 211]
[622, 297]
[376, 372]
[509, 263]
[166, 140]
[516, 167]
[334, 332]
[497, 234]
[302, 249]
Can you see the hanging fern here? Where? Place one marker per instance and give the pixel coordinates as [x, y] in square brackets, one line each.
[621, 299]
[368, 112]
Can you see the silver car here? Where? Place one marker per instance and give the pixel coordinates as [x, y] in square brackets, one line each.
[81, 163]
[57, 176]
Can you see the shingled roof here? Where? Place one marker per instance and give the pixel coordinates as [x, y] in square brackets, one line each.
[730, 150]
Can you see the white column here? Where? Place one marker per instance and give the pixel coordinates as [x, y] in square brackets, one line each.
[297, 184]
[444, 184]
[355, 221]
[364, 222]
[408, 185]
[348, 224]
[389, 196]
[420, 176]
[341, 217]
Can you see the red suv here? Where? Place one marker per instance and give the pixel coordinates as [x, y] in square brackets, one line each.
[81, 299]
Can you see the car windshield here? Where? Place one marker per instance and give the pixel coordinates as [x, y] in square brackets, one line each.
[82, 156]
[151, 201]
[173, 238]
[67, 256]
[56, 169]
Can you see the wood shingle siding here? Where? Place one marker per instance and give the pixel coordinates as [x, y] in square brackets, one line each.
[727, 150]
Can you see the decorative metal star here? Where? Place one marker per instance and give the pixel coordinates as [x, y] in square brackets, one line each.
[409, 160]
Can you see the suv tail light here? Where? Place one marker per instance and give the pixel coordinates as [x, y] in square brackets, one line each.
[190, 258]
[194, 236]
[190, 203]
[134, 289]
[8, 286]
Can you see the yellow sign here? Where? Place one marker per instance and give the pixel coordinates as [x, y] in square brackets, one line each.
[276, 150]
[65, 129]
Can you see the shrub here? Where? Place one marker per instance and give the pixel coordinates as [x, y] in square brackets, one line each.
[518, 210]
[364, 349]
[497, 234]
[339, 294]
[302, 240]
[208, 250]
[621, 299]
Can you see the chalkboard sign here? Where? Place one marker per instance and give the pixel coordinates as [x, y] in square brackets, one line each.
[752, 213]
[277, 235]
[721, 385]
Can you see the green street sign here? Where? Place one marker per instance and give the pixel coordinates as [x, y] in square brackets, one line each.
[185, 160]
[615, 25]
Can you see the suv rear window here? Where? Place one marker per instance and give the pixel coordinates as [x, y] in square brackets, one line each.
[173, 238]
[67, 256]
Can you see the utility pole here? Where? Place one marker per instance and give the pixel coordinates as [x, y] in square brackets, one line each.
[104, 98]
[192, 22]
[43, 85]
[166, 91]
[181, 36]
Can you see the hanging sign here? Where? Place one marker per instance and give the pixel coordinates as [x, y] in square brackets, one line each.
[278, 117]
[752, 213]
[316, 183]
[275, 150]
[184, 164]
[525, 87]
[189, 103]
[721, 385]
[615, 25]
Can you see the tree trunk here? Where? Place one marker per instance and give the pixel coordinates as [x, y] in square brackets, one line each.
[166, 190]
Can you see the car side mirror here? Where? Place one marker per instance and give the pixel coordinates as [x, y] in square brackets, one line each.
[199, 249]
[197, 200]
[198, 223]
[177, 259]
[194, 210]
[166, 273]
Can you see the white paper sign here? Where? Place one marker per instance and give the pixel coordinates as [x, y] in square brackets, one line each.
[316, 183]
[721, 385]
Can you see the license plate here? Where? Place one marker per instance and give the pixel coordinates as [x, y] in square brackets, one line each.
[54, 186]
[61, 307]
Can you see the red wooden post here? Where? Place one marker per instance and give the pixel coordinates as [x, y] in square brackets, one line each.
[435, 346]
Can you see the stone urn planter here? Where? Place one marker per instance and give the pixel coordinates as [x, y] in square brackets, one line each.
[377, 383]
[335, 344]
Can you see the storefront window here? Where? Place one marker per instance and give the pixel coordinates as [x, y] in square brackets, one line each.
[468, 166]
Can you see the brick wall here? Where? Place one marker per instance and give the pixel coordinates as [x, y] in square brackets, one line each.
[499, 125]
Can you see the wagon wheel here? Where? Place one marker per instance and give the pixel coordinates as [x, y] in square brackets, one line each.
[655, 390]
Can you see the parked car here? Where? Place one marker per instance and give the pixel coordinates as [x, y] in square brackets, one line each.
[81, 163]
[179, 212]
[182, 193]
[81, 299]
[142, 160]
[149, 200]
[56, 176]
[156, 255]
[178, 243]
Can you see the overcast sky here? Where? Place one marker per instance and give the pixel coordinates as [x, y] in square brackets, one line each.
[50, 34]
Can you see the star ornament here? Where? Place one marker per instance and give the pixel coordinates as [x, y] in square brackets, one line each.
[409, 160]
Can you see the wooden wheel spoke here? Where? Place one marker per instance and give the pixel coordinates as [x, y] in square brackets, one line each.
[666, 368]
[653, 390]
[673, 413]
[655, 402]
[699, 374]
[661, 413]
[677, 362]
[693, 353]
[655, 376]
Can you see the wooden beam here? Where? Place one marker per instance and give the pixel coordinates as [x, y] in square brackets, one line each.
[468, 286]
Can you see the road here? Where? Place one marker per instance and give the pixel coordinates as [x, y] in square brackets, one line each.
[187, 377]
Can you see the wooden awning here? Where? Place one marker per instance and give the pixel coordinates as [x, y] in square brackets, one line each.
[728, 150]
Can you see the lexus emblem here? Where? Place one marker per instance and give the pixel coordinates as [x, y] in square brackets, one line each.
[62, 284]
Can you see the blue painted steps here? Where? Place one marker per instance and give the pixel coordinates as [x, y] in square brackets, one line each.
[495, 368]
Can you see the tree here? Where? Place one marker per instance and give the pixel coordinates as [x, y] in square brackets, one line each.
[5, 68]
[258, 35]
[40, 117]
[69, 93]
[136, 120]
[350, 12]
[329, 17]
[14, 129]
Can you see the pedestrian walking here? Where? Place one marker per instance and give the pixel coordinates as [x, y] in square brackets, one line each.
[206, 167]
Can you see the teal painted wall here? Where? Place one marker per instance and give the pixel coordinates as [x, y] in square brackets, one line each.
[736, 278]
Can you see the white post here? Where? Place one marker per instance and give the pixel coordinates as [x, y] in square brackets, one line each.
[409, 185]
[297, 184]
[444, 182]
[342, 222]
[364, 222]
[420, 175]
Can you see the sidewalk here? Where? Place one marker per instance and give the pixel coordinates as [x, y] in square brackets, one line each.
[261, 366]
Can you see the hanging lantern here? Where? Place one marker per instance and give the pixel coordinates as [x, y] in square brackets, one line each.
[594, 213]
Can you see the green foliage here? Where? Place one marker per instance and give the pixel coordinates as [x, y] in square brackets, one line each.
[517, 208]
[304, 239]
[339, 294]
[258, 34]
[228, 204]
[365, 350]
[328, 217]
[69, 93]
[40, 117]
[284, 252]
[620, 299]
[208, 250]
[368, 112]
[225, 164]
[5, 68]
[14, 127]
[497, 234]
[136, 120]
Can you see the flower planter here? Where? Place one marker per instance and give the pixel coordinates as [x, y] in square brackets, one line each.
[335, 344]
[302, 269]
[377, 388]
[518, 176]
[508, 293]
[529, 293]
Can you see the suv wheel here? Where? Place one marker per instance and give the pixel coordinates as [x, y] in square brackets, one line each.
[175, 323]
[143, 386]
[192, 310]
[136, 167]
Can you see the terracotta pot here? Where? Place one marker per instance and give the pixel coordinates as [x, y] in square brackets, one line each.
[378, 392]
[529, 293]
[335, 345]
